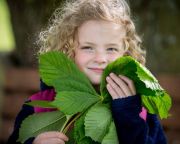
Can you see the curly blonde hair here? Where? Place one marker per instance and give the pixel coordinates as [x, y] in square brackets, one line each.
[60, 34]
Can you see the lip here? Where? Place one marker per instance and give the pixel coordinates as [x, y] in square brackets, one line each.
[97, 70]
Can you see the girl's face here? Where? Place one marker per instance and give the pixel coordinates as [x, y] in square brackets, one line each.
[99, 43]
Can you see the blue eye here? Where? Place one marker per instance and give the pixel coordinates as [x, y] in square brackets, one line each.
[112, 49]
[86, 48]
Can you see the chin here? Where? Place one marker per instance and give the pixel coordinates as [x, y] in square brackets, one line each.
[95, 82]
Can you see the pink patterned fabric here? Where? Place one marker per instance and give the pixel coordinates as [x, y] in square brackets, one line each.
[143, 113]
[47, 95]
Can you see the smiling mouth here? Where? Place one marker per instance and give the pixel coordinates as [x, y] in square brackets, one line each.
[97, 70]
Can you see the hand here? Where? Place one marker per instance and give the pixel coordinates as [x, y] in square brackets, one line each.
[120, 86]
[52, 137]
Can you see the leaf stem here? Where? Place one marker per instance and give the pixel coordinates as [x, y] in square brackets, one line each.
[67, 120]
[65, 129]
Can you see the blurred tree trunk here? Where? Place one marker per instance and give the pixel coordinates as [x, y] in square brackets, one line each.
[28, 18]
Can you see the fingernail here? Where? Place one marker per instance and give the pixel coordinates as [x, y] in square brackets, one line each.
[67, 139]
[111, 74]
[107, 78]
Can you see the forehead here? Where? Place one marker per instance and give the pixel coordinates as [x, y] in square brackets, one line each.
[93, 30]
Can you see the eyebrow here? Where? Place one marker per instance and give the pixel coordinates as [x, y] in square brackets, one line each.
[89, 43]
[110, 44]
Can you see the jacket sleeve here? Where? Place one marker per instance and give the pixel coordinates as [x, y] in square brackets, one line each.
[25, 112]
[131, 128]
[156, 134]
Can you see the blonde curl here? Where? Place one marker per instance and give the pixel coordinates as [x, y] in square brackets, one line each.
[63, 25]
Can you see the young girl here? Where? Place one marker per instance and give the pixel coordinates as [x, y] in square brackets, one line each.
[94, 33]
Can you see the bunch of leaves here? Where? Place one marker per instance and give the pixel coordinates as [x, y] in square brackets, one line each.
[78, 103]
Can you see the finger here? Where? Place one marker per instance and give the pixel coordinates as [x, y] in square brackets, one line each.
[117, 90]
[54, 134]
[112, 92]
[63, 137]
[124, 87]
[53, 141]
[130, 83]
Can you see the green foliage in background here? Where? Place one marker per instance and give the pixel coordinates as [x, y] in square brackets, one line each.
[7, 42]
[157, 22]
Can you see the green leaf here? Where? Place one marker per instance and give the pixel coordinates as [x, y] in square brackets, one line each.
[73, 102]
[55, 65]
[111, 136]
[41, 103]
[69, 83]
[79, 132]
[70, 134]
[161, 103]
[123, 66]
[87, 140]
[97, 121]
[76, 94]
[154, 98]
[146, 76]
[41, 122]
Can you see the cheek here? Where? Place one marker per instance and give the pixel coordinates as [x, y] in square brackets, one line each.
[81, 59]
[78, 60]
[114, 57]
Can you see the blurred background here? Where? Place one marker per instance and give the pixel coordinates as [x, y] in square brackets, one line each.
[157, 22]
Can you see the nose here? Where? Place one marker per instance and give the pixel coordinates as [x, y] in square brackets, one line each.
[100, 57]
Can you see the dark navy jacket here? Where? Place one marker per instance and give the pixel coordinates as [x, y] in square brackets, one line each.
[131, 128]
